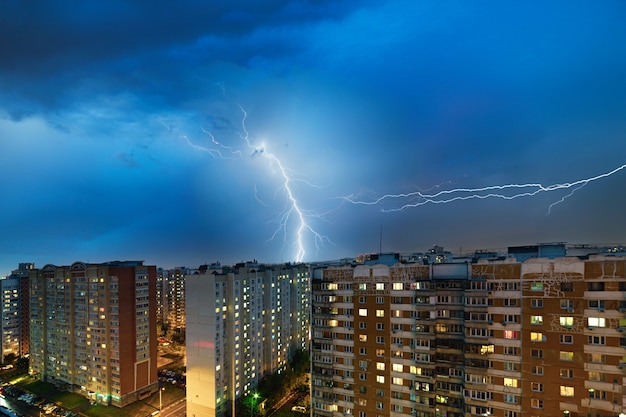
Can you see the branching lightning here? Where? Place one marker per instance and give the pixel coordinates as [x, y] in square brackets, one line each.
[404, 201]
[293, 211]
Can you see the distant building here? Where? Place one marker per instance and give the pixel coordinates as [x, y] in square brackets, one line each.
[14, 326]
[174, 301]
[243, 323]
[93, 329]
[492, 337]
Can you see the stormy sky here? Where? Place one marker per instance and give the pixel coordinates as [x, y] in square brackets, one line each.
[181, 133]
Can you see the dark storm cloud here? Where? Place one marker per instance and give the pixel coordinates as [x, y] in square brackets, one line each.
[121, 125]
[57, 50]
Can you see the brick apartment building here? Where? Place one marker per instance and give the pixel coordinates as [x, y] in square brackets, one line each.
[481, 337]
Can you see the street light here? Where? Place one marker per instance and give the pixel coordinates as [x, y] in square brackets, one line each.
[160, 401]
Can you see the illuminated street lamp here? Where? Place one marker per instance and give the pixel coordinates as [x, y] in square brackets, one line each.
[160, 400]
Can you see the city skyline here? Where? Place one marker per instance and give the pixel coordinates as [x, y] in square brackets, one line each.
[194, 133]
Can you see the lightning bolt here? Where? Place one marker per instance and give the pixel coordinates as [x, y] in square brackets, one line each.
[404, 201]
[293, 211]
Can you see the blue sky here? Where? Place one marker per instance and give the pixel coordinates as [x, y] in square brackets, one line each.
[129, 131]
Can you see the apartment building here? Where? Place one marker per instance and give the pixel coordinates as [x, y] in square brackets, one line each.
[174, 306]
[488, 337]
[93, 329]
[14, 326]
[243, 322]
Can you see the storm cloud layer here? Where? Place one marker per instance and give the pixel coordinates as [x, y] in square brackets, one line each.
[122, 131]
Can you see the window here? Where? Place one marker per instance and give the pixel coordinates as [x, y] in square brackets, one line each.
[567, 321]
[567, 286]
[380, 352]
[535, 403]
[597, 376]
[380, 300]
[565, 355]
[397, 381]
[596, 358]
[536, 303]
[380, 379]
[380, 366]
[595, 286]
[379, 405]
[380, 339]
[380, 313]
[510, 366]
[596, 394]
[362, 338]
[566, 339]
[380, 326]
[536, 319]
[510, 398]
[536, 286]
[362, 376]
[536, 353]
[398, 286]
[362, 325]
[567, 391]
[380, 286]
[536, 386]
[566, 373]
[510, 382]
[536, 337]
[596, 340]
[363, 312]
[596, 304]
[596, 322]
[363, 351]
[510, 334]
[361, 298]
[537, 370]
[380, 392]
[567, 305]
[512, 350]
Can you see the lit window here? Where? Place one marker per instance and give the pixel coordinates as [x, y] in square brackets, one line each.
[380, 379]
[380, 366]
[596, 322]
[363, 312]
[536, 319]
[536, 286]
[567, 391]
[397, 381]
[510, 382]
[397, 367]
[362, 338]
[535, 403]
[398, 286]
[566, 355]
[380, 313]
[536, 386]
[380, 286]
[566, 321]
[510, 334]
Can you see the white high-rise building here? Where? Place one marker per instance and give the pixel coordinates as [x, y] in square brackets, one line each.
[243, 323]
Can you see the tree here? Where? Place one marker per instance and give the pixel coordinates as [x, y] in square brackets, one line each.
[9, 358]
[22, 362]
